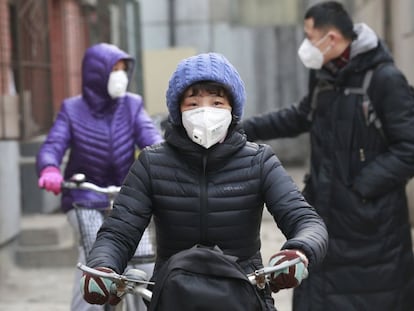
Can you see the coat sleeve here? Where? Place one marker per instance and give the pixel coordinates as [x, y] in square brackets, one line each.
[145, 131]
[56, 143]
[287, 122]
[122, 230]
[303, 228]
[395, 106]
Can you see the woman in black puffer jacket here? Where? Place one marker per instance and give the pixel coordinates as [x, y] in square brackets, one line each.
[205, 186]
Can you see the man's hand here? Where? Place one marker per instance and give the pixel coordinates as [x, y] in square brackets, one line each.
[289, 277]
[98, 290]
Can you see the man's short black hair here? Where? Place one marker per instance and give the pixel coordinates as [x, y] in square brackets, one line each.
[332, 14]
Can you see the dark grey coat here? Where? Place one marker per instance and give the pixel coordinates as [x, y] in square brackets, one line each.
[357, 184]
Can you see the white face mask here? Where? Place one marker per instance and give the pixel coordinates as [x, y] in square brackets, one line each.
[206, 126]
[117, 83]
[310, 55]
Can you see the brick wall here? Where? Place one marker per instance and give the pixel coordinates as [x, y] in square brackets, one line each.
[75, 43]
[5, 48]
[68, 43]
[57, 54]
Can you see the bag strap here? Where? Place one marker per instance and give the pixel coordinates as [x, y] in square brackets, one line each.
[321, 86]
[368, 110]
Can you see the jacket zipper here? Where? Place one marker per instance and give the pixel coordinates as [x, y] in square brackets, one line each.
[362, 155]
[203, 202]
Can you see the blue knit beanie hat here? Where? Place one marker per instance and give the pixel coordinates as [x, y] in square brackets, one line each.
[205, 67]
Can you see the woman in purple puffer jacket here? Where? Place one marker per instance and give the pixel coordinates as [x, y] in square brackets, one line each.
[100, 129]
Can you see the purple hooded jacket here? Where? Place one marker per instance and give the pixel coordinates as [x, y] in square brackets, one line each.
[100, 133]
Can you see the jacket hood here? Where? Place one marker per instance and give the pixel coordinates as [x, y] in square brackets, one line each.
[368, 50]
[97, 64]
[366, 40]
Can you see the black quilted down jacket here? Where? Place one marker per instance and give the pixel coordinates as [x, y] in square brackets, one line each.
[204, 196]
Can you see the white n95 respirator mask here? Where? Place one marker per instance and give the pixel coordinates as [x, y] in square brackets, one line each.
[206, 126]
[117, 83]
[310, 55]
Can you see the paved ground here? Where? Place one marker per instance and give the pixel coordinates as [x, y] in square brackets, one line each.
[50, 289]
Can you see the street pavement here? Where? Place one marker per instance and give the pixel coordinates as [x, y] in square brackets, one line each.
[49, 289]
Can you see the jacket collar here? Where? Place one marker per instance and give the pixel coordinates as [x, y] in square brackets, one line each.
[195, 154]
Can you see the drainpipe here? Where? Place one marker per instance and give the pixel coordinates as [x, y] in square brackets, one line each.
[388, 31]
[171, 23]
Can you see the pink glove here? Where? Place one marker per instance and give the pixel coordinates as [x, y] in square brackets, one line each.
[51, 179]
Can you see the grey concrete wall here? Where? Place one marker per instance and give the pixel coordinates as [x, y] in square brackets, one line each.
[265, 55]
[33, 199]
[9, 191]
[264, 51]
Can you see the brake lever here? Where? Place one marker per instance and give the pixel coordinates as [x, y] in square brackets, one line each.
[115, 277]
[261, 276]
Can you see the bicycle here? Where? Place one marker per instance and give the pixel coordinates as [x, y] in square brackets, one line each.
[90, 216]
[134, 281]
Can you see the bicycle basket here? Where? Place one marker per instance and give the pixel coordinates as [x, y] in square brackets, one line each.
[90, 216]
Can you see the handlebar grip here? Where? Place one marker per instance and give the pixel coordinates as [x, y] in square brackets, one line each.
[109, 275]
[281, 266]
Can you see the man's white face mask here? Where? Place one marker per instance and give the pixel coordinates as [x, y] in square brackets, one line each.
[117, 83]
[310, 55]
[206, 126]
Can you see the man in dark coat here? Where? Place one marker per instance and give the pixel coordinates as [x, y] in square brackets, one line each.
[362, 155]
[207, 185]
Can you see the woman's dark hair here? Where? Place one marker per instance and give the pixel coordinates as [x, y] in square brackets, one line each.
[210, 87]
[332, 14]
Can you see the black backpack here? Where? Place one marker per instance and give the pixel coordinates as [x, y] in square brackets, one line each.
[203, 278]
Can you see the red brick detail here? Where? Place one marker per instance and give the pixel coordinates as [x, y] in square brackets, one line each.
[67, 46]
[5, 49]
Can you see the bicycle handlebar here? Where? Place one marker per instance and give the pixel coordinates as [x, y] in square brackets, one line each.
[90, 186]
[115, 277]
[261, 276]
[77, 181]
[131, 282]
[134, 279]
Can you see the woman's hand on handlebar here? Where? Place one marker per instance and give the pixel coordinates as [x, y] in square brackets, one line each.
[99, 290]
[51, 179]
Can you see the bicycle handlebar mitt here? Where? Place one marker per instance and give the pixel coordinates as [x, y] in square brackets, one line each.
[99, 290]
[51, 179]
[291, 276]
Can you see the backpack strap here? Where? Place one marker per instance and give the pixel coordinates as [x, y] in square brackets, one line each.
[368, 109]
[366, 103]
[321, 86]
